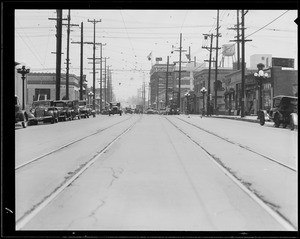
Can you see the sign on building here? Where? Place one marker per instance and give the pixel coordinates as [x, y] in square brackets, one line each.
[284, 62]
[158, 58]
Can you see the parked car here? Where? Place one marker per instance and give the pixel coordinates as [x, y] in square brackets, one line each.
[284, 111]
[20, 115]
[64, 113]
[114, 108]
[74, 109]
[91, 110]
[44, 111]
[84, 111]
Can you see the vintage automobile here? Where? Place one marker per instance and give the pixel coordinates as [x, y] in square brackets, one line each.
[91, 110]
[114, 108]
[74, 109]
[20, 115]
[284, 111]
[84, 111]
[44, 111]
[128, 110]
[64, 112]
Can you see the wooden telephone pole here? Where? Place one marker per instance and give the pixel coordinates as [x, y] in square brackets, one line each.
[94, 49]
[242, 98]
[68, 60]
[58, 50]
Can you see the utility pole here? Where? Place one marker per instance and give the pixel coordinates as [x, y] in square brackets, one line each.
[237, 28]
[81, 63]
[94, 48]
[209, 70]
[242, 95]
[167, 81]
[68, 60]
[179, 75]
[216, 63]
[58, 50]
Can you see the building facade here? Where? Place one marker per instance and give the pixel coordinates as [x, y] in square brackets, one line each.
[201, 79]
[278, 82]
[43, 86]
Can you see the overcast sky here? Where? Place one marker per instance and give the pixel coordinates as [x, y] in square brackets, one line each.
[131, 35]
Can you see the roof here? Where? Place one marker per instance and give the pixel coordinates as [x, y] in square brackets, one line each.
[287, 96]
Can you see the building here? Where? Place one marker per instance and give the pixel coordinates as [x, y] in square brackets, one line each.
[158, 76]
[201, 79]
[43, 86]
[280, 81]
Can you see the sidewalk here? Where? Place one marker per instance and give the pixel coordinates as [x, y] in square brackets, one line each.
[249, 118]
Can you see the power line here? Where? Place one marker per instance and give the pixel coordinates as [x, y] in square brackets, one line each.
[267, 24]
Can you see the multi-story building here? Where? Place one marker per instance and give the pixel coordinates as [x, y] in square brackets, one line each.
[201, 79]
[158, 76]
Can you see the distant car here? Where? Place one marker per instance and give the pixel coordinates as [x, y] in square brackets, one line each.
[284, 111]
[163, 111]
[64, 112]
[20, 115]
[150, 111]
[114, 108]
[91, 110]
[84, 111]
[128, 110]
[44, 111]
[173, 111]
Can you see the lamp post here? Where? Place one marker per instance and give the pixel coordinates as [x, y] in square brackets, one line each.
[90, 96]
[203, 91]
[260, 75]
[23, 71]
[187, 95]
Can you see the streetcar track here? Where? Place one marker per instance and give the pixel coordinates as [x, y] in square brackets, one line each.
[68, 180]
[68, 144]
[271, 208]
[241, 146]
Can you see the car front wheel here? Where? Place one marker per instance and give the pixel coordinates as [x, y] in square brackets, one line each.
[276, 121]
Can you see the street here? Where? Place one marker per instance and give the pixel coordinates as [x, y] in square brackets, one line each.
[156, 172]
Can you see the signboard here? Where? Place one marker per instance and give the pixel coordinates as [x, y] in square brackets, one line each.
[228, 49]
[284, 62]
[158, 58]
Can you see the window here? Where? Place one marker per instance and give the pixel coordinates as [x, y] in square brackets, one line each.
[42, 94]
[263, 58]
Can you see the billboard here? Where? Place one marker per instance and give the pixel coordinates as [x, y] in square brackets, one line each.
[228, 49]
[283, 62]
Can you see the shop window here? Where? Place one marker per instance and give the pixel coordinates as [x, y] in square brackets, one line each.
[42, 94]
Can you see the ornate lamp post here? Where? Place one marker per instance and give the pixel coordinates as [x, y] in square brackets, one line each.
[203, 91]
[90, 96]
[23, 71]
[187, 95]
[260, 75]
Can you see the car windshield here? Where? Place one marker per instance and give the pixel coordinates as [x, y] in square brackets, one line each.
[59, 104]
[41, 104]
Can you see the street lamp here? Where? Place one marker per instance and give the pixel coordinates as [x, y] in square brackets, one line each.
[260, 75]
[187, 95]
[203, 91]
[90, 96]
[23, 71]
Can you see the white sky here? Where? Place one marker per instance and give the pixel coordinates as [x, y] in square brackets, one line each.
[130, 35]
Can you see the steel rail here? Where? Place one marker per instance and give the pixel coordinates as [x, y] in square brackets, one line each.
[27, 216]
[242, 146]
[68, 144]
[282, 220]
